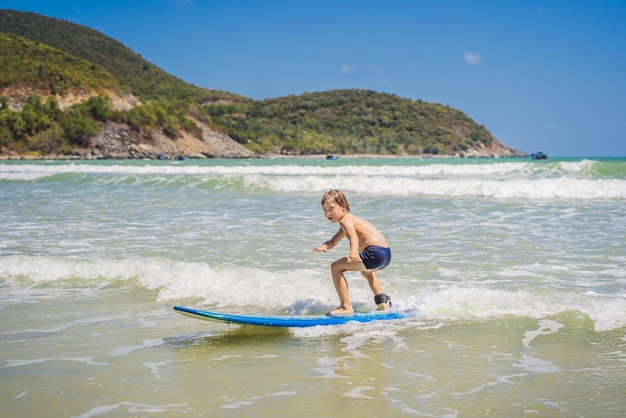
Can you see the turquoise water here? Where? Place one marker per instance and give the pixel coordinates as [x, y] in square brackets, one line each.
[517, 270]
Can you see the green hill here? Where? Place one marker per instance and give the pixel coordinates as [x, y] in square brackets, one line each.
[28, 64]
[351, 121]
[138, 76]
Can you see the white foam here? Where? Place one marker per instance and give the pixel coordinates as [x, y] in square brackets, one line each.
[122, 351]
[536, 365]
[451, 303]
[306, 291]
[54, 330]
[546, 327]
[20, 363]
[358, 392]
[506, 180]
[236, 404]
[520, 188]
[409, 169]
[175, 280]
[155, 367]
[133, 408]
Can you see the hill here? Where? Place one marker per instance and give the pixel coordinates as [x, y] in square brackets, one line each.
[140, 77]
[30, 64]
[68, 89]
[355, 121]
[30, 68]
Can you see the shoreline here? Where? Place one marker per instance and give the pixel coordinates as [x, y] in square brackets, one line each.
[56, 157]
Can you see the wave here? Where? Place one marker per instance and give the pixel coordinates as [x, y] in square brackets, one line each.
[584, 179]
[31, 171]
[302, 291]
[561, 188]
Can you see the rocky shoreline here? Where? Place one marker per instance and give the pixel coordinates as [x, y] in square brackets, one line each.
[118, 141]
[15, 157]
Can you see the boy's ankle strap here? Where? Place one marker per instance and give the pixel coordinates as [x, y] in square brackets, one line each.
[382, 298]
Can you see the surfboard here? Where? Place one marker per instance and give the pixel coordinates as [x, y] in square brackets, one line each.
[293, 320]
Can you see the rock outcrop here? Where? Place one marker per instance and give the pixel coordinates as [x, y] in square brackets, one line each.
[495, 151]
[118, 141]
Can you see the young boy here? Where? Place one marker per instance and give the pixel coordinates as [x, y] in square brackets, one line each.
[369, 251]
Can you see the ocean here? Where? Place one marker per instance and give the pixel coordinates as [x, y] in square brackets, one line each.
[516, 270]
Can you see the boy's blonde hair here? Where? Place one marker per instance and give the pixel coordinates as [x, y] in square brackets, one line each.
[336, 196]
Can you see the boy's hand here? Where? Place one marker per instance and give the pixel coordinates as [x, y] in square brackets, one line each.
[353, 257]
[321, 249]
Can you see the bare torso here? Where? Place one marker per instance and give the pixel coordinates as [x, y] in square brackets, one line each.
[367, 233]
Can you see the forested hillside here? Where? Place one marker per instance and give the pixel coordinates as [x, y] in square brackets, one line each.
[351, 121]
[62, 83]
[41, 67]
[140, 77]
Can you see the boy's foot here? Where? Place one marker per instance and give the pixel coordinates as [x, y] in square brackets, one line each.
[341, 311]
[383, 302]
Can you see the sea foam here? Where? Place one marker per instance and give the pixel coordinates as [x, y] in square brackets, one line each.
[506, 180]
[304, 291]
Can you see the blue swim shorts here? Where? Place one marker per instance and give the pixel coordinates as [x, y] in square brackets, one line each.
[376, 257]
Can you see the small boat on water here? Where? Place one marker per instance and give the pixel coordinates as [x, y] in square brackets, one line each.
[331, 157]
[539, 156]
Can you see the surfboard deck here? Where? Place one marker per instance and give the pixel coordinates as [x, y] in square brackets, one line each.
[293, 320]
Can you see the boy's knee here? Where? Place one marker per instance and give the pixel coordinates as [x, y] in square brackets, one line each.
[338, 266]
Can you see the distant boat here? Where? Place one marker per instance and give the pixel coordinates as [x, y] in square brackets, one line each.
[331, 157]
[539, 156]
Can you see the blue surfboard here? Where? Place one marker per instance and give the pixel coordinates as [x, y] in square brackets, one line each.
[293, 320]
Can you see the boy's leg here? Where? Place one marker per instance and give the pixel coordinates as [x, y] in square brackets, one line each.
[377, 289]
[337, 269]
[373, 281]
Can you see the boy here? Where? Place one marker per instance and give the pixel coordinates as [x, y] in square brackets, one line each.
[369, 251]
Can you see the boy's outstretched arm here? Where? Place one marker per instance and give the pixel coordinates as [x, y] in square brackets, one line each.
[328, 245]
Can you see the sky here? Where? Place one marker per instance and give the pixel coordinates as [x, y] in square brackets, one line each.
[540, 75]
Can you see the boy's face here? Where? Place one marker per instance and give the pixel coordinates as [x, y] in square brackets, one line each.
[333, 212]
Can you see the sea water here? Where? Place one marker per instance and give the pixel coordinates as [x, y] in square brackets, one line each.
[516, 270]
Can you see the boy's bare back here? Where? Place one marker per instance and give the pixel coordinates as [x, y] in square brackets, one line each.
[367, 233]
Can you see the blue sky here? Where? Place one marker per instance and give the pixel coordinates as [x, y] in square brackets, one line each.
[540, 75]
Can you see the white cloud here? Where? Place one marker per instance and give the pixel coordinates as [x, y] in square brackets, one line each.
[473, 58]
[346, 69]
